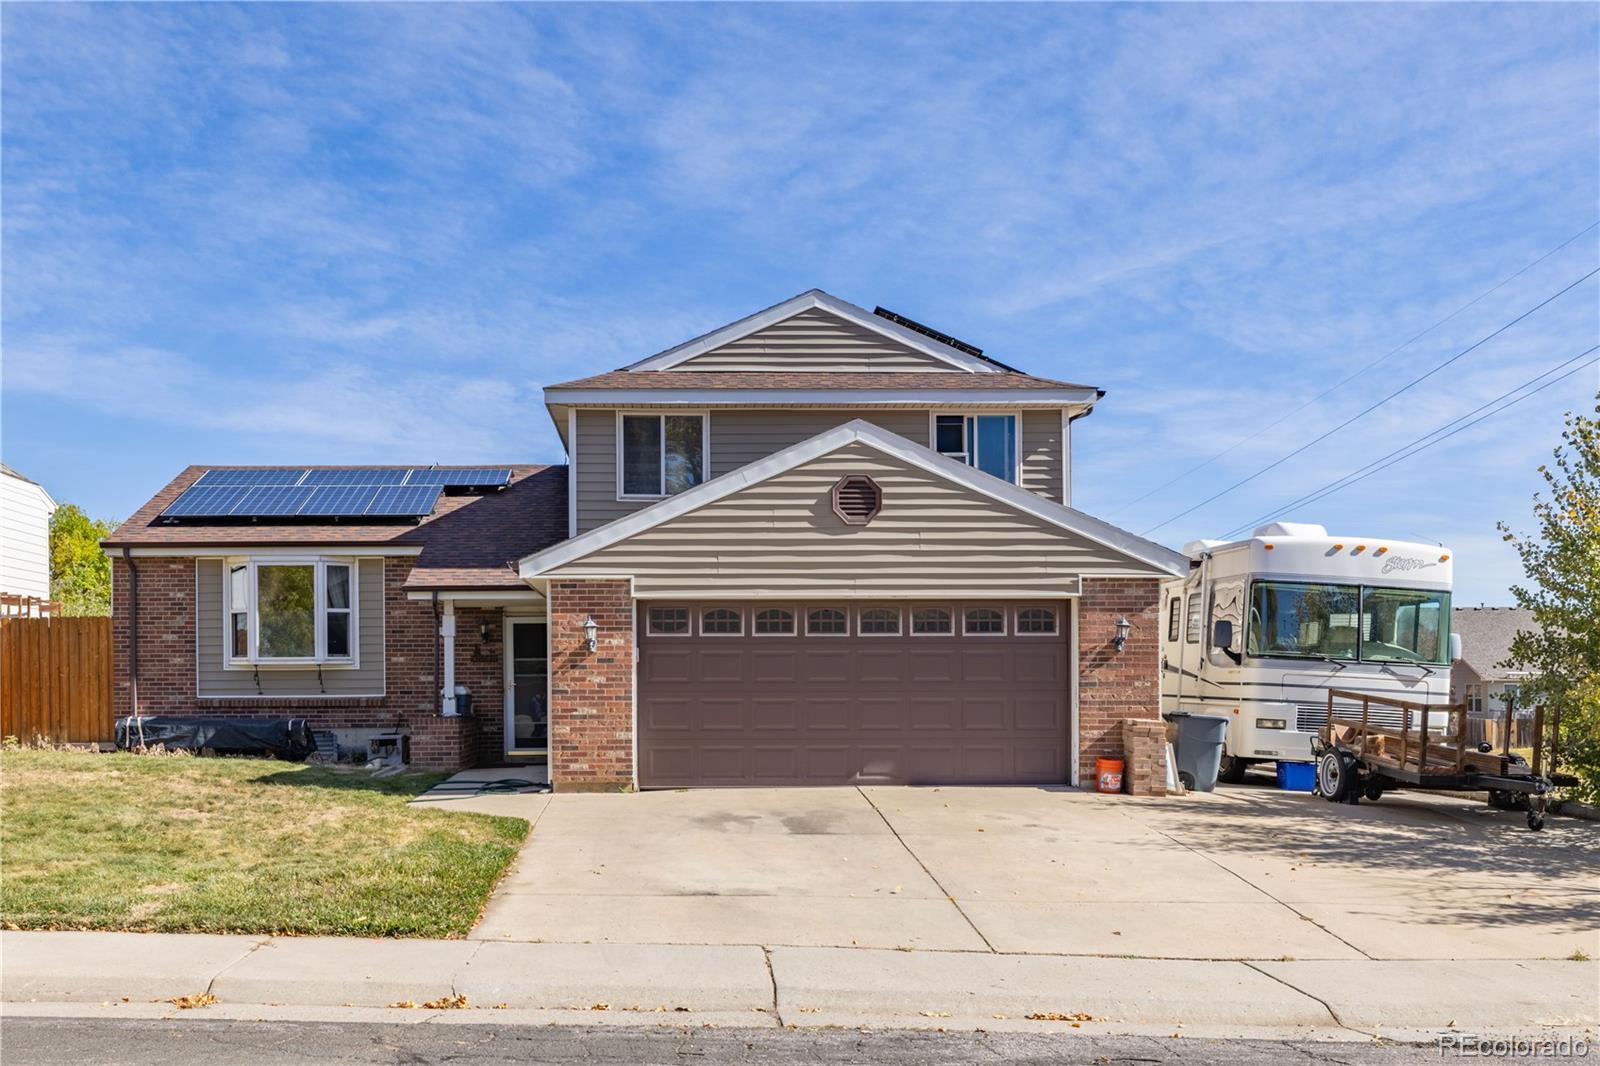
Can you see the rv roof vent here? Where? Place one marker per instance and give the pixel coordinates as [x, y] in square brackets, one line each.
[1290, 529]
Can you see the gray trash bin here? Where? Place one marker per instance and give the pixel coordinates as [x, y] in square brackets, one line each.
[1200, 738]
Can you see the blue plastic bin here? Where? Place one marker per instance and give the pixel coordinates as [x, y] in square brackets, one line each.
[1297, 776]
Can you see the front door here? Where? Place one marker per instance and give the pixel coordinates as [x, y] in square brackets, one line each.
[527, 708]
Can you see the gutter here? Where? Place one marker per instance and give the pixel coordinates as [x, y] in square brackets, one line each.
[438, 690]
[133, 629]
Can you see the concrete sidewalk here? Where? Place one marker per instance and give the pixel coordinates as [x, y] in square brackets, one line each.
[133, 975]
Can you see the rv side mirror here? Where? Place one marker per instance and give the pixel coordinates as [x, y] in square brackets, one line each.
[1455, 647]
[1222, 634]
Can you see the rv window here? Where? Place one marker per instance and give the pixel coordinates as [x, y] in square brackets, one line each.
[1405, 625]
[1172, 617]
[1303, 621]
[1193, 636]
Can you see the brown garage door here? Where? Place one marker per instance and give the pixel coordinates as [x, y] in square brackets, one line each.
[832, 693]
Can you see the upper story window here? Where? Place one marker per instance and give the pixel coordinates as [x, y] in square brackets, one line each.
[988, 442]
[290, 611]
[660, 455]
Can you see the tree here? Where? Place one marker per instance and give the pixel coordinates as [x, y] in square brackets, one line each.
[1562, 564]
[80, 572]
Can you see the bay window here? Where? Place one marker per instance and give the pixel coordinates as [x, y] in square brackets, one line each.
[988, 442]
[660, 455]
[290, 612]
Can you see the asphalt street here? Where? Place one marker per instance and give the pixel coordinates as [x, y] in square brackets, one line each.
[78, 1042]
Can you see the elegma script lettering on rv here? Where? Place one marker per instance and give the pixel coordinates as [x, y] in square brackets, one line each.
[1404, 562]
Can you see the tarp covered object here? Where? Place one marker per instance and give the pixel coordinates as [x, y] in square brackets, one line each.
[282, 738]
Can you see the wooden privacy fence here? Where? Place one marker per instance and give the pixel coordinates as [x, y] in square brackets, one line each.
[55, 680]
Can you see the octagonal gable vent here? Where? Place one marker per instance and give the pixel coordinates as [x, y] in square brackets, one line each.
[857, 499]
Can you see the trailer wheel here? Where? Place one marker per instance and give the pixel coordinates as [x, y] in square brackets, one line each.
[1232, 770]
[1374, 790]
[1535, 820]
[1334, 777]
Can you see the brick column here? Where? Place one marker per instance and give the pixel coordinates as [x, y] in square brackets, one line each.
[591, 692]
[1114, 685]
[1144, 753]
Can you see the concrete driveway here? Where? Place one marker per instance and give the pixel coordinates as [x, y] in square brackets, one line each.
[1244, 873]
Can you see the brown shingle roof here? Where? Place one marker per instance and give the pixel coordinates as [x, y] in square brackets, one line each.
[815, 379]
[1486, 636]
[468, 541]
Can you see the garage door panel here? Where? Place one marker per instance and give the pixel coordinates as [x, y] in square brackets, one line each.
[795, 709]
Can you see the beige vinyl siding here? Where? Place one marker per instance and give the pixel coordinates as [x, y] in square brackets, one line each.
[25, 511]
[815, 340]
[215, 681]
[741, 437]
[933, 538]
[1042, 454]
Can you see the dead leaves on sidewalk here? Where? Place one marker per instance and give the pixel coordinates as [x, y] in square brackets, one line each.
[199, 999]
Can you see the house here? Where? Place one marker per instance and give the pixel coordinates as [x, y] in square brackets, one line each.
[25, 510]
[818, 545]
[1479, 678]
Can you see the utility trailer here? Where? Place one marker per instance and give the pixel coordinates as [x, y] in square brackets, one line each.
[1357, 757]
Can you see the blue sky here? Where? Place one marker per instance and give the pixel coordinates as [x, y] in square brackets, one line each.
[371, 233]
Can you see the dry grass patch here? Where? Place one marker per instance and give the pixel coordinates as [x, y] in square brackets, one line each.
[121, 841]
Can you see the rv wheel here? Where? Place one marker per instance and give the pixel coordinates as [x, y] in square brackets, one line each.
[1333, 777]
[1374, 790]
[1232, 770]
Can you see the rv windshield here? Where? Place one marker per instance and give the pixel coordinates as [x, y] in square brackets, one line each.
[1405, 625]
[1348, 622]
[1304, 621]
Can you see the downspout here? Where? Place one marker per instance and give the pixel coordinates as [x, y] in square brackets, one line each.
[133, 641]
[438, 693]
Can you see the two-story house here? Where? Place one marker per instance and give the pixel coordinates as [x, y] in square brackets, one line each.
[819, 545]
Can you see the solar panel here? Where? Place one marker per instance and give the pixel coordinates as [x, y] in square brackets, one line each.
[340, 500]
[272, 500]
[253, 478]
[387, 476]
[404, 500]
[205, 501]
[460, 478]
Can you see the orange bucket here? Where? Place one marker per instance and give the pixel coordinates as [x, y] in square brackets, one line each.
[1108, 775]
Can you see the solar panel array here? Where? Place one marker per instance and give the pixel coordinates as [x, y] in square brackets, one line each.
[303, 492]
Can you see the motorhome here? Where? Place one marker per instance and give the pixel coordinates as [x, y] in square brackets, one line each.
[1262, 628]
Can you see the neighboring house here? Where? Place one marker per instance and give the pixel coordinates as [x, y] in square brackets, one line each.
[1479, 679]
[819, 545]
[25, 510]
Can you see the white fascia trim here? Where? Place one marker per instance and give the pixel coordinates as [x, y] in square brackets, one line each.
[1136, 548]
[805, 302]
[478, 596]
[220, 551]
[977, 396]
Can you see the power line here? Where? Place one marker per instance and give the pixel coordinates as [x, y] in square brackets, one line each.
[1345, 381]
[1418, 445]
[1373, 407]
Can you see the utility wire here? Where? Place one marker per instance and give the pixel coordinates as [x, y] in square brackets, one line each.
[1347, 380]
[1372, 407]
[1418, 445]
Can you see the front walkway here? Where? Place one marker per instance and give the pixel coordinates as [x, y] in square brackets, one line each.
[1244, 873]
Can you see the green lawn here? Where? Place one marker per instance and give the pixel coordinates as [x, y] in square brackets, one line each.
[179, 844]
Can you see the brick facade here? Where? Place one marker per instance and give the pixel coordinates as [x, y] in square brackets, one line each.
[1114, 685]
[591, 693]
[166, 661]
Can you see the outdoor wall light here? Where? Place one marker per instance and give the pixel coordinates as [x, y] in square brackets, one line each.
[485, 631]
[1124, 627]
[590, 629]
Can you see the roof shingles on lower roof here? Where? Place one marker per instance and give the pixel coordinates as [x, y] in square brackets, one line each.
[469, 541]
[851, 380]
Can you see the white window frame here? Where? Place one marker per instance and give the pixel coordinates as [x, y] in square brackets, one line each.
[700, 621]
[649, 621]
[844, 610]
[1016, 435]
[983, 607]
[661, 460]
[900, 620]
[1016, 622]
[911, 623]
[253, 659]
[795, 616]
